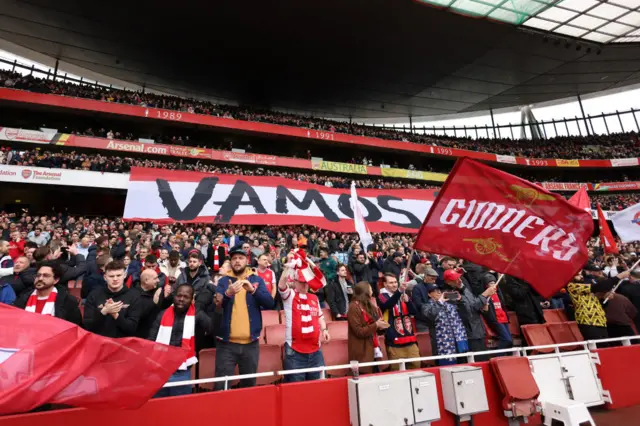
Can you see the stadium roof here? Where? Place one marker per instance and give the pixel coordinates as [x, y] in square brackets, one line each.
[614, 21]
[381, 59]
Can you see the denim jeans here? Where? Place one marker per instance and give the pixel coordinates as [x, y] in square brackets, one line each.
[178, 376]
[504, 335]
[295, 360]
[557, 303]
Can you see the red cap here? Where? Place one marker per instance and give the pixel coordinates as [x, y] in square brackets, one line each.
[451, 275]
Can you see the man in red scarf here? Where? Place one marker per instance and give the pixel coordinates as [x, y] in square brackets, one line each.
[305, 325]
[47, 298]
[398, 310]
[175, 326]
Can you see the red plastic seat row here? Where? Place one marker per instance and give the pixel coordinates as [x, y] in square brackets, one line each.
[553, 333]
[554, 316]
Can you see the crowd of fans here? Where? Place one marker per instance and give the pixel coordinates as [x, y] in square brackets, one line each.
[211, 285]
[225, 277]
[575, 147]
[614, 202]
[114, 164]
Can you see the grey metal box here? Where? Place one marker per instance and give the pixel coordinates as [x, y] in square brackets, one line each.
[463, 390]
[424, 392]
[393, 399]
[380, 401]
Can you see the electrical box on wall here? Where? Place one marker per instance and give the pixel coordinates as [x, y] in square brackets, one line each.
[394, 399]
[463, 390]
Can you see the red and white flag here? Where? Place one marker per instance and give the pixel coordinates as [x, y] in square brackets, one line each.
[44, 359]
[581, 199]
[508, 224]
[606, 237]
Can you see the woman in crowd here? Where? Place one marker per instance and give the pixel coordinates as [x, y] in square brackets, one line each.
[364, 322]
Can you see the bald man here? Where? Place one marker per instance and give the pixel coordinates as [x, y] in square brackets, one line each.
[153, 298]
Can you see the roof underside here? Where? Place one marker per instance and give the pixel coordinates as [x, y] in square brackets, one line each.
[335, 58]
[602, 21]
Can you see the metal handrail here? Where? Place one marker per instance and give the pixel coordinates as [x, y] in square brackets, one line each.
[587, 345]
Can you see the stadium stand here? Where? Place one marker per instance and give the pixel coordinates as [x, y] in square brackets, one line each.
[612, 146]
[84, 245]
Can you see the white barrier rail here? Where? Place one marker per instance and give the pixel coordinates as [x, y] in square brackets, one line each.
[587, 345]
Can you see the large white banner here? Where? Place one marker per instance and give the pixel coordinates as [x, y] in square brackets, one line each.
[175, 196]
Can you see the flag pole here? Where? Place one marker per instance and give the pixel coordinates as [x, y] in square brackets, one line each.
[613, 290]
[406, 271]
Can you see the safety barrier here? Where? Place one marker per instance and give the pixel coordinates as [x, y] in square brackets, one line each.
[587, 345]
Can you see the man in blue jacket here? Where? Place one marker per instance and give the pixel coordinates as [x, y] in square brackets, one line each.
[242, 293]
[420, 297]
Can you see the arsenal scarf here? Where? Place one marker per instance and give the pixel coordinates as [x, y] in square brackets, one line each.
[216, 257]
[377, 352]
[306, 322]
[49, 305]
[188, 333]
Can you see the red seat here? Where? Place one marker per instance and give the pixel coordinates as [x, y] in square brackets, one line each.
[491, 338]
[336, 352]
[339, 330]
[518, 386]
[274, 334]
[71, 284]
[282, 319]
[207, 368]
[270, 318]
[76, 292]
[514, 328]
[561, 333]
[538, 335]
[554, 315]
[270, 360]
[424, 346]
[577, 334]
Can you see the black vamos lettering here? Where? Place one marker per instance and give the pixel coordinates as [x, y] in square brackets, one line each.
[201, 196]
[283, 196]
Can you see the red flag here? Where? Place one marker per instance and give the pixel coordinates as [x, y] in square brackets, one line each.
[606, 237]
[48, 360]
[508, 224]
[581, 199]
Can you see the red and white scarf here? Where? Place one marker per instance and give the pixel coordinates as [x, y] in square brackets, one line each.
[377, 352]
[216, 257]
[49, 305]
[188, 333]
[306, 321]
[305, 271]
